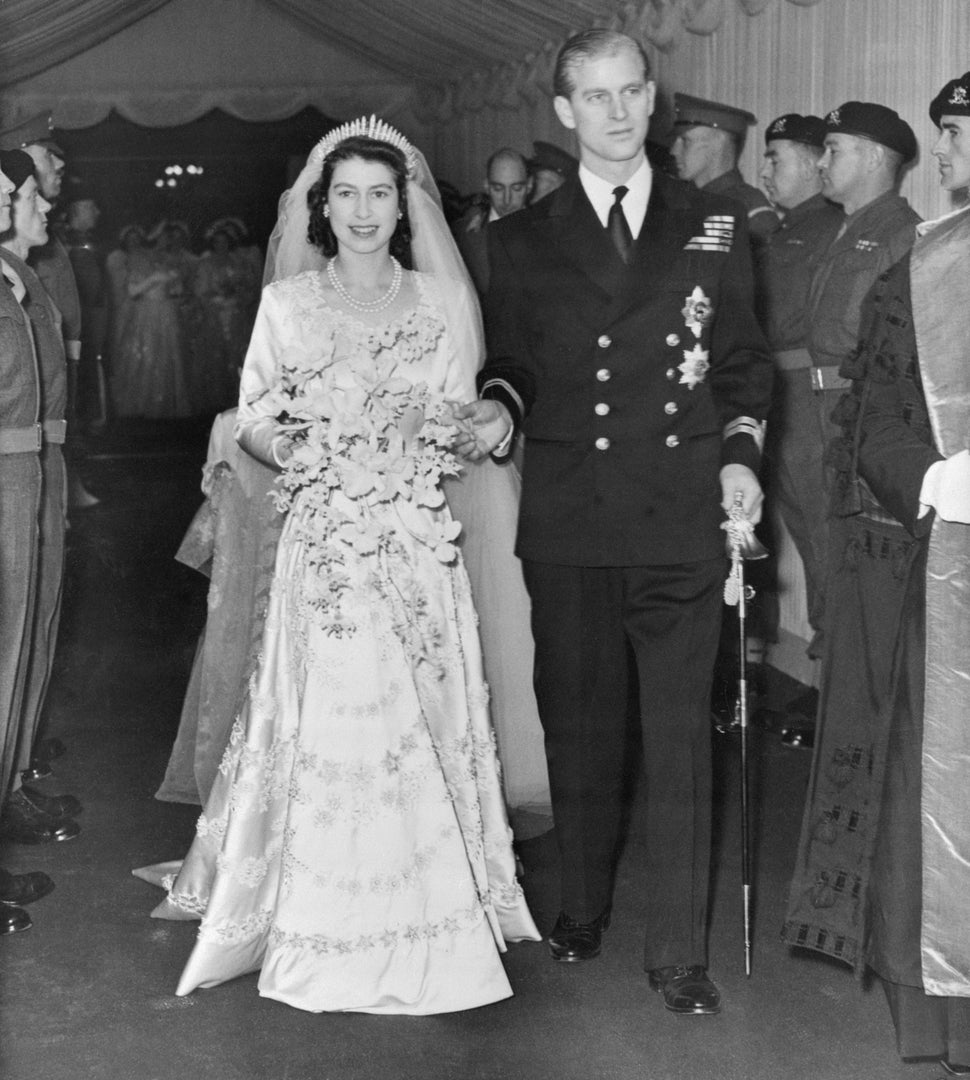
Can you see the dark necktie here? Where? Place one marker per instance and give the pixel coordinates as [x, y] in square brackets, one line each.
[618, 227]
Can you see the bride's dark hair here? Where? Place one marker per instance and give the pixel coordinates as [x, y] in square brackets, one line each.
[319, 232]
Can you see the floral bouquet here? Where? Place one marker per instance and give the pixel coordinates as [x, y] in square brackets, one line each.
[370, 433]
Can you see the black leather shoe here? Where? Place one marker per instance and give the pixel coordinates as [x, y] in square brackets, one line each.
[954, 1069]
[686, 989]
[22, 823]
[39, 770]
[13, 919]
[17, 889]
[55, 806]
[799, 737]
[571, 942]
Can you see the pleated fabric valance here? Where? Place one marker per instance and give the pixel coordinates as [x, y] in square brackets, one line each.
[487, 51]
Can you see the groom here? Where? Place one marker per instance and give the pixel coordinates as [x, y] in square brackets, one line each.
[622, 342]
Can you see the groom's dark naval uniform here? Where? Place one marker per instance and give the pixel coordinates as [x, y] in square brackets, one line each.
[628, 416]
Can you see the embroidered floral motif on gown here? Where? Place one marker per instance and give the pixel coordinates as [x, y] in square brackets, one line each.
[355, 849]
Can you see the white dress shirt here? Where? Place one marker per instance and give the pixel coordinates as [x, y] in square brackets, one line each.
[600, 194]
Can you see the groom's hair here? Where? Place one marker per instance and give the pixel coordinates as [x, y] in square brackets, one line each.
[589, 45]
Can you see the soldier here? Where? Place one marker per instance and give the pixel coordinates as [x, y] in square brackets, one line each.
[29, 815]
[708, 143]
[866, 147]
[794, 145]
[52, 265]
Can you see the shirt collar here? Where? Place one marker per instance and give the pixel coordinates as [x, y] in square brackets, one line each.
[925, 227]
[600, 194]
[14, 280]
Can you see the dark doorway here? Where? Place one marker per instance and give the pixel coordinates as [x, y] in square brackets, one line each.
[218, 166]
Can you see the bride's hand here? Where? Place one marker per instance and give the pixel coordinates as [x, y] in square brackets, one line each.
[482, 425]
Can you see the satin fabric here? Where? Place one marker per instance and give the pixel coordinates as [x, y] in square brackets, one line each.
[941, 315]
[355, 848]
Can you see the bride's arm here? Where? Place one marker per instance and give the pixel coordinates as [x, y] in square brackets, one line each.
[257, 430]
[466, 345]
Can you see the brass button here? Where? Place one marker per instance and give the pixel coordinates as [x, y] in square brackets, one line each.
[673, 340]
[672, 441]
[604, 374]
[671, 373]
[670, 408]
[601, 409]
[604, 341]
[602, 444]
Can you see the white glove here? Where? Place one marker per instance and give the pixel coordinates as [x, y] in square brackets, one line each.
[946, 487]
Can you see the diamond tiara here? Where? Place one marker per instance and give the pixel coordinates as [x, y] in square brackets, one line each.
[370, 127]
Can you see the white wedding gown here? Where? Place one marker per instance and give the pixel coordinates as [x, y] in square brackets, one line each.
[355, 848]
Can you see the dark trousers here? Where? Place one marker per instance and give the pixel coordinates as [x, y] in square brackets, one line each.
[42, 634]
[587, 621]
[799, 431]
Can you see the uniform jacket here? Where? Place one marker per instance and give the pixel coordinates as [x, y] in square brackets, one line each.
[623, 406]
[46, 322]
[762, 218]
[785, 265]
[52, 264]
[20, 386]
[875, 237]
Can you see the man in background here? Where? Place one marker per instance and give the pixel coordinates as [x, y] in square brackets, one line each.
[794, 146]
[507, 188]
[867, 145]
[87, 261]
[708, 141]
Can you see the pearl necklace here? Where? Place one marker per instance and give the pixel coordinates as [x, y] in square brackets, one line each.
[366, 305]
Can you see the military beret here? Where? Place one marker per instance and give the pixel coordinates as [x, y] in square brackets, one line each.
[554, 158]
[693, 111]
[952, 100]
[35, 131]
[876, 122]
[16, 166]
[797, 128]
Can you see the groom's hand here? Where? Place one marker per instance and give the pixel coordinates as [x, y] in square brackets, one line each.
[482, 426]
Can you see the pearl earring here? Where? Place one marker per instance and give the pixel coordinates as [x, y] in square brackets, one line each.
[326, 211]
[400, 214]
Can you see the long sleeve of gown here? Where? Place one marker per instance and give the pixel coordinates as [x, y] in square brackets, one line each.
[466, 347]
[256, 424]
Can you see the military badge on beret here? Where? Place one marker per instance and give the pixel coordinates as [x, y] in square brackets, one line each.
[869, 120]
[794, 127]
[953, 99]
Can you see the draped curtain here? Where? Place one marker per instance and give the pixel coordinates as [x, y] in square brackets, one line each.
[185, 58]
[431, 41]
[38, 34]
[767, 56]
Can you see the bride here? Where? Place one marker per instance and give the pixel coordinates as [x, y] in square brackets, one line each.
[354, 849]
